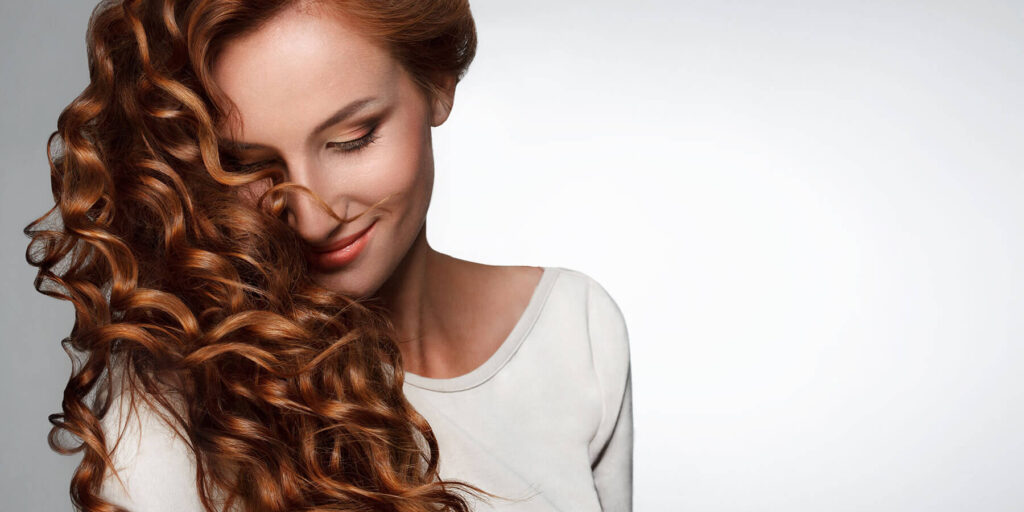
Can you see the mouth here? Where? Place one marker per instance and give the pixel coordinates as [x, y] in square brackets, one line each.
[342, 252]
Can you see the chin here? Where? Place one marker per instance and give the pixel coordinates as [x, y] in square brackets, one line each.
[354, 281]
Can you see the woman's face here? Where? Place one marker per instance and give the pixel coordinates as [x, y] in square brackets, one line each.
[339, 115]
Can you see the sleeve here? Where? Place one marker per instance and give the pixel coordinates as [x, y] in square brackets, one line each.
[611, 450]
[156, 467]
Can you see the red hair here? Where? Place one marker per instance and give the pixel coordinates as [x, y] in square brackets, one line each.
[289, 394]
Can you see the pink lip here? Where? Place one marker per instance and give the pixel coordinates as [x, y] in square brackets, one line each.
[343, 252]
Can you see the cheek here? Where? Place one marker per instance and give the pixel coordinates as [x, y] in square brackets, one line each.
[402, 166]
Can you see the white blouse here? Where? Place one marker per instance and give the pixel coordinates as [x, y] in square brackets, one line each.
[546, 421]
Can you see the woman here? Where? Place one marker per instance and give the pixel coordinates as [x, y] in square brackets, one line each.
[260, 321]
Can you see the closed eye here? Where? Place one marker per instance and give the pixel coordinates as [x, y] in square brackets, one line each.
[351, 146]
[348, 146]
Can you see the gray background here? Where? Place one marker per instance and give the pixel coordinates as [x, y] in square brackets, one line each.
[810, 214]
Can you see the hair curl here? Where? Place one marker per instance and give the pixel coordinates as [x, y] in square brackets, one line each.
[289, 394]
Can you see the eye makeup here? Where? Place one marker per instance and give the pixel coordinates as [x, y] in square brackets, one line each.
[357, 144]
[344, 147]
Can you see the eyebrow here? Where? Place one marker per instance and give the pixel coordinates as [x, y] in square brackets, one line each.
[335, 118]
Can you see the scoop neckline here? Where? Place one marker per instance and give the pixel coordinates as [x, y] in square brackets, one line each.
[506, 350]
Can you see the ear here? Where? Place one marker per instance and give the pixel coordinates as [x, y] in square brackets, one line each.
[444, 98]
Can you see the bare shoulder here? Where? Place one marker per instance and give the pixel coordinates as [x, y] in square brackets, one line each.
[508, 285]
[522, 277]
[513, 286]
[506, 292]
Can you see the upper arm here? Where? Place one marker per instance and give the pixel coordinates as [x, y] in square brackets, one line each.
[156, 466]
[611, 449]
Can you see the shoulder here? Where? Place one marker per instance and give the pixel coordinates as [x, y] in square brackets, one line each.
[570, 277]
[608, 340]
[602, 310]
[156, 469]
[606, 324]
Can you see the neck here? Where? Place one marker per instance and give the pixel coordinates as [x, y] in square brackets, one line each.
[420, 296]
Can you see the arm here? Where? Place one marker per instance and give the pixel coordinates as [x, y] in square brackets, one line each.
[611, 449]
[157, 467]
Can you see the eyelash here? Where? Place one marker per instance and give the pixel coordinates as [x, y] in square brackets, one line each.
[349, 146]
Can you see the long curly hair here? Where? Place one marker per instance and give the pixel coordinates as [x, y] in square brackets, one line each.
[289, 394]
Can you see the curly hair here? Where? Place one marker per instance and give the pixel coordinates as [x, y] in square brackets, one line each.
[289, 394]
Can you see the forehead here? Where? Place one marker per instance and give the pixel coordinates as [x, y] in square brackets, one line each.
[299, 65]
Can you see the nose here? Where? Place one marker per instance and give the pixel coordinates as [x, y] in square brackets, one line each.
[304, 213]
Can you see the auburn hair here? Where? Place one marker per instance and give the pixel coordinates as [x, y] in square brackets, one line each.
[289, 394]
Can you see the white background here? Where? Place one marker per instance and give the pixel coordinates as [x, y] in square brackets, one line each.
[810, 214]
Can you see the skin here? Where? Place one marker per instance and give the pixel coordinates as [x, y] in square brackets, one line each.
[287, 78]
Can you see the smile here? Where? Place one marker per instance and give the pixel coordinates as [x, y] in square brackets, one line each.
[342, 253]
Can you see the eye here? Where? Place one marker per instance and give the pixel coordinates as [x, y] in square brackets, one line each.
[351, 146]
[348, 146]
